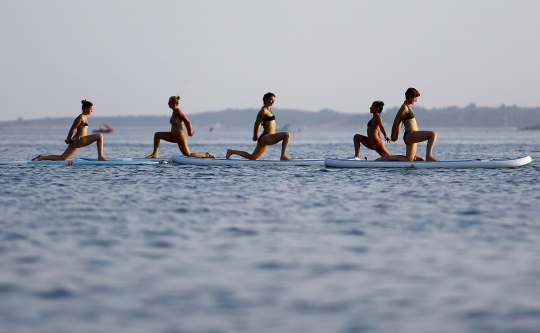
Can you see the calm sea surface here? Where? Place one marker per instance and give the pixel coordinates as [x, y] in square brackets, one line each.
[170, 248]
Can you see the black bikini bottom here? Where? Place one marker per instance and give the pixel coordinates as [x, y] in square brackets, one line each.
[259, 139]
[405, 136]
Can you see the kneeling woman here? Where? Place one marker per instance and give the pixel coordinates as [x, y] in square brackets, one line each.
[269, 136]
[80, 139]
[412, 135]
[373, 140]
[176, 135]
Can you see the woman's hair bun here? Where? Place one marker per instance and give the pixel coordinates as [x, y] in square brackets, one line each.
[379, 105]
[86, 104]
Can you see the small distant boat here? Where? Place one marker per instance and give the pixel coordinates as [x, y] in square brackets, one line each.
[536, 127]
[104, 128]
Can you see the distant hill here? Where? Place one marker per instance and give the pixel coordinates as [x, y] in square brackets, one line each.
[473, 116]
[470, 116]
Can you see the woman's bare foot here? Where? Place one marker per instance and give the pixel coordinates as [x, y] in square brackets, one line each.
[152, 156]
[38, 158]
[228, 155]
[102, 158]
[432, 159]
[286, 158]
[208, 155]
[418, 158]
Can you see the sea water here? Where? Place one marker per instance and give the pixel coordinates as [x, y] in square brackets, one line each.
[170, 248]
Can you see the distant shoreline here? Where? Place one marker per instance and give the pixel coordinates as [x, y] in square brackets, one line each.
[470, 116]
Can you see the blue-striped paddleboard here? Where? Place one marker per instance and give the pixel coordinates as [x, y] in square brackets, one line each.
[160, 159]
[80, 162]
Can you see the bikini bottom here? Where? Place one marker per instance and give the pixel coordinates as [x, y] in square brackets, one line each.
[405, 136]
[72, 140]
[177, 139]
[375, 144]
[260, 137]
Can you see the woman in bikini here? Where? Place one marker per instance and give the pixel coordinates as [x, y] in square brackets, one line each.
[80, 139]
[412, 135]
[373, 140]
[269, 137]
[176, 135]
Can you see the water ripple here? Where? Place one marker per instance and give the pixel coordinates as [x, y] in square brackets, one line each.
[55, 294]
[173, 248]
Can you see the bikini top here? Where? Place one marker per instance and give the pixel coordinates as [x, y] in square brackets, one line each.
[410, 115]
[269, 118]
[174, 121]
[85, 124]
[369, 123]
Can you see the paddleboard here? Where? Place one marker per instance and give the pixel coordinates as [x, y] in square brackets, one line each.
[451, 164]
[160, 159]
[80, 162]
[181, 159]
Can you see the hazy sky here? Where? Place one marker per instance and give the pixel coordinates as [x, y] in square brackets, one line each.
[128, 57]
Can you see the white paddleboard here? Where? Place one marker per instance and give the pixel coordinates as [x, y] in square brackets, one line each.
[451, 164]
[181, 159]
[80, 162]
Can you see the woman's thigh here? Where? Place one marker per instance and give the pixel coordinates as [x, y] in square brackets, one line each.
[418, 136]
[365, 141]
[410, 151]
[183, 145]
[85, 140]
[258, 151]
[272, 139]
[165, 136]
[70, 150]
[381, 149]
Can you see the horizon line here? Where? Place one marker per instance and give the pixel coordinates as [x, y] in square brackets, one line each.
[469, 106]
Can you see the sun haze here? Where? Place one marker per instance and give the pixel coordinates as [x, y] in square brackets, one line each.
[128, 57]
